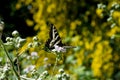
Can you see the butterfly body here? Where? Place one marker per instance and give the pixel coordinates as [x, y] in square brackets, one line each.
[54, 42]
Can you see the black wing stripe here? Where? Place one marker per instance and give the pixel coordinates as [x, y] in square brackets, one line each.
[57, 42]
[57, 37]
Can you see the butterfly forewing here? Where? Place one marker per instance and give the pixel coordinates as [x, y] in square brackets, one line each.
[57, 38]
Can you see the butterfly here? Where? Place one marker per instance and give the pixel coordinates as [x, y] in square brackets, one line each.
[54, 42]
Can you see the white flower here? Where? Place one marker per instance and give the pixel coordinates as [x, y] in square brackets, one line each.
[34, 54]
[29, 68]
[59, 49]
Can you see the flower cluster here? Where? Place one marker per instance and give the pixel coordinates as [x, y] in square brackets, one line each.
[62, 75]
[16, 41]
[59, 49]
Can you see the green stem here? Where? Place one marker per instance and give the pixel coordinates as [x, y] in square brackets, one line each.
[11, 62]
[17, 58]
[54, 67]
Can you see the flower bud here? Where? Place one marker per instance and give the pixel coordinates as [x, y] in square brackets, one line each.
[8, 39]
[45, 73]
[61, 71]
[35, 38]
[15, 33]
[59, 77]
[30, 45]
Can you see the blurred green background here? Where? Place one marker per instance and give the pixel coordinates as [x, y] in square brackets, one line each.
[79, 23]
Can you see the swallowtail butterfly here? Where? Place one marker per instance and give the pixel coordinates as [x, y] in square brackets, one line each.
[54, 42]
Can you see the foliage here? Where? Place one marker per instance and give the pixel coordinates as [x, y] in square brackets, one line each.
[94, 28]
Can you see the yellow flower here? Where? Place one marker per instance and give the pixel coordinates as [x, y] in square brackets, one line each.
[108, 68]
[112, 31]
[51, 7]
[116, 57]
[96, 65]
[18, 6]
[92, 44]
[74, 24]
[80, 57]
[27, 2]
[97, 38]
[116, 14]
[29, 22]
[87, 46]
[99, 12]
[93, 23]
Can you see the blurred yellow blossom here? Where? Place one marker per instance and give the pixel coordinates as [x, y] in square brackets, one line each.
[96, 65]
[93, 23]
[87, 45]
[92, 44]
[116, 14]
[80, 57]
[108, 68]
[74, 24]
[29, 22]
[51, 8]
[62, 33]
[18, 6]
[77, 41]
[99, 12]
[27, 2]
[97, 38]
[112, 31]
[116, 57]
[40, 35]
[36, 27]
[37, 16]
[97, 60]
